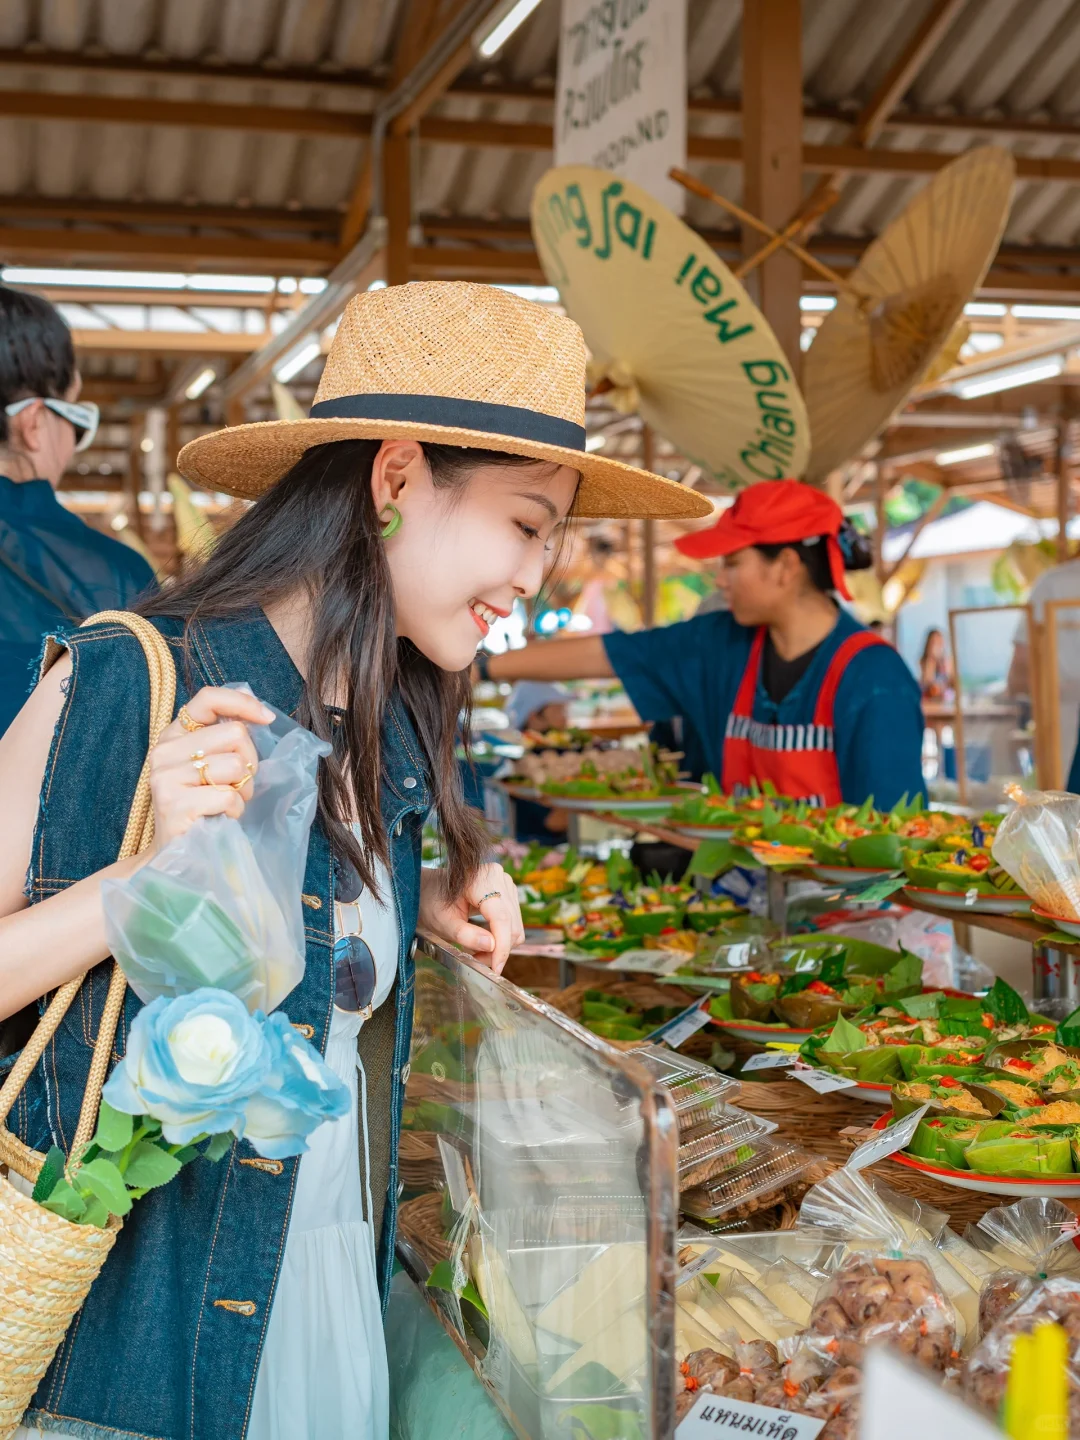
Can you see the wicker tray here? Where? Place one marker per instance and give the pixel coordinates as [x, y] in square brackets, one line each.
[420, 1222]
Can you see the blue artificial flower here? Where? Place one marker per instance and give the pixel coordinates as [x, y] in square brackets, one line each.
[193, 1062]
[300, 1092]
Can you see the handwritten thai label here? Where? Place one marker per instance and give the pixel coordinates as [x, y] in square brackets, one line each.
[886, 1142]
[716, 1415]
[770, 1060]
[679, 1029]
[823, 1081]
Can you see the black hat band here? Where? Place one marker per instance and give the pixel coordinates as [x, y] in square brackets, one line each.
[510, 421]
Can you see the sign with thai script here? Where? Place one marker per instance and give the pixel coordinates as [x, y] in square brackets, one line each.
[621, 90]
[716, 1415]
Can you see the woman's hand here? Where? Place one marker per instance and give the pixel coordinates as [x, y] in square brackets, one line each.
[193, 772]
[494, 895]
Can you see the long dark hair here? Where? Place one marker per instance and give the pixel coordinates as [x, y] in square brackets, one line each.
[317, 530]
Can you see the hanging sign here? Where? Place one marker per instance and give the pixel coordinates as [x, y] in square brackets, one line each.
[621, 90]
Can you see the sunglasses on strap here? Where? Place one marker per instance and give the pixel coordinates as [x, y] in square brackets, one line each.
[81, 415]
[354, 964]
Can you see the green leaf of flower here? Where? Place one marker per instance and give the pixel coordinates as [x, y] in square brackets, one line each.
[114, 1128]
[103, 1179]
[65, 1200]
[51, 1172]
[150, 1166]
[219, 1146]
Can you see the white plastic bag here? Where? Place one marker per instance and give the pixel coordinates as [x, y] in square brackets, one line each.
[220, 906]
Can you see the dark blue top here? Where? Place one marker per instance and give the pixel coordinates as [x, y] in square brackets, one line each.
[693, 670]
[54, 569]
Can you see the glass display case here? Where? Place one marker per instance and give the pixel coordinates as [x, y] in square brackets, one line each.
[539, 1205]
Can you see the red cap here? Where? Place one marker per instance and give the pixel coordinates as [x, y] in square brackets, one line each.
[773, 512]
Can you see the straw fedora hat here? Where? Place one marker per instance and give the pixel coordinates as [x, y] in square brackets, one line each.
[453, 364]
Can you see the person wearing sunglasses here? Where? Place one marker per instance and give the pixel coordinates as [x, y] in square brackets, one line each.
[54, 568]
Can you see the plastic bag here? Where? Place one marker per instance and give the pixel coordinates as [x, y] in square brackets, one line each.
[220, 906]
[1039, 845]
[1029, 1239]
[1056, 1299]
[875, 1299]
[855, 1207]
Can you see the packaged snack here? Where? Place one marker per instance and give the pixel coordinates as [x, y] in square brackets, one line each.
[856, 1208]
[881, 1300]
[1038, 844]
[753, 1181]
[1056, 1300]
[1028, 1240]
[693, 1087]
[705, 1149]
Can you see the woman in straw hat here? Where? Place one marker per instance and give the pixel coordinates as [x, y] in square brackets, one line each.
[424, 495]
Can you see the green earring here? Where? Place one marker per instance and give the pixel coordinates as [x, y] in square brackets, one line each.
[393, 525]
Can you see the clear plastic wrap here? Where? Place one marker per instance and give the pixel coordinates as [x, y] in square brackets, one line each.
[694, 1087]
[855, 1207]
[220, 906]
[1038, 844]
[1056, 1300]
[1023, 1242]
[885, 1299]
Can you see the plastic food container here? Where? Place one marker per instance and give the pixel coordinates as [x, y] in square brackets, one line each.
[705, 1148]
[693, 1087]
[749, 1182]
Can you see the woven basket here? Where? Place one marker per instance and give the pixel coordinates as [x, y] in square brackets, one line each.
[47, 1264]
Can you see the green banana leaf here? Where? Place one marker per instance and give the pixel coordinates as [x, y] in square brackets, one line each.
[875, 852]
[653, 922]
[944, 1142]
[1016, 1152]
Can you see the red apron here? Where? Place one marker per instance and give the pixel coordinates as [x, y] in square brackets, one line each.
[800, 760]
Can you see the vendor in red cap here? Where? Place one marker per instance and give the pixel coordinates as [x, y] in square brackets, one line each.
[784, 686]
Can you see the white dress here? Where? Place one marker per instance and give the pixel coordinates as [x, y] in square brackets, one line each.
[323, 1369]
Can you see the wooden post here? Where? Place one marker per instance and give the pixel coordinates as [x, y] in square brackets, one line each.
[235, 414]
[397, 203]
[772, 122]
[133, 478]
[881, 488]
[1064, 480]
[172, 438]
[648, 541]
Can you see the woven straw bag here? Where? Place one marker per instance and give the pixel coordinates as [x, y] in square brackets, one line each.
[47, 1264]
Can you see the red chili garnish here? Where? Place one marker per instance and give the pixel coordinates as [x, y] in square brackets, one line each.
[1042, 1029]
[668, 930]
[754, 975]
[937, 1124]
[987, 1021]
[875, 1025]
[1020, 1065]
[953, 1059]
[818, 987]
[979, 863]
[949, 1082]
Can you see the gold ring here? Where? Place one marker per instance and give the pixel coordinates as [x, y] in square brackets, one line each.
[239, 784]
[197, 755]
[202, 765]
[184, 716]
[491, 895]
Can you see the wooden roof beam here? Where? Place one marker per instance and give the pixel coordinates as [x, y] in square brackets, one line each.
[123, 212]
[166, 342]
[187, 252]
[197, 114]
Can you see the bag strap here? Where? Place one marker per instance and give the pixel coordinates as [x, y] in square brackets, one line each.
[137, 836]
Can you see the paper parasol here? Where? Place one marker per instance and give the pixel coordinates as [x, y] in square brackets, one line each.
[669, 327]
[898, 308]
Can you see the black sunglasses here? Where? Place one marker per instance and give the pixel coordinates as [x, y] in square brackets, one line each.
[354, 964]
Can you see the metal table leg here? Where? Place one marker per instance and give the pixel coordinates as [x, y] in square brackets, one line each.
[1054, 975]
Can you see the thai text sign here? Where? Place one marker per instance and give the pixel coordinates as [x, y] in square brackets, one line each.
[621, 90]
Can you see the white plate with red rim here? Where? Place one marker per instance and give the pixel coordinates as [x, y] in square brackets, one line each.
[610, 804]
[842, 874]
[760, 1033]
[702, 832]
[1068, 927]
[958, 900]
[1063, 1186]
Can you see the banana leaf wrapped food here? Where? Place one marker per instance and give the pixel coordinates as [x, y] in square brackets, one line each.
[752, 995]
[1019, 1152]
[944, 1142]
[946, 1096]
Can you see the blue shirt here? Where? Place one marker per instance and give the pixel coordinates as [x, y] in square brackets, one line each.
[694, 669]
[54, 570]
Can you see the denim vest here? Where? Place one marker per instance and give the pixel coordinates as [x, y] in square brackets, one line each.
[167, 1345]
